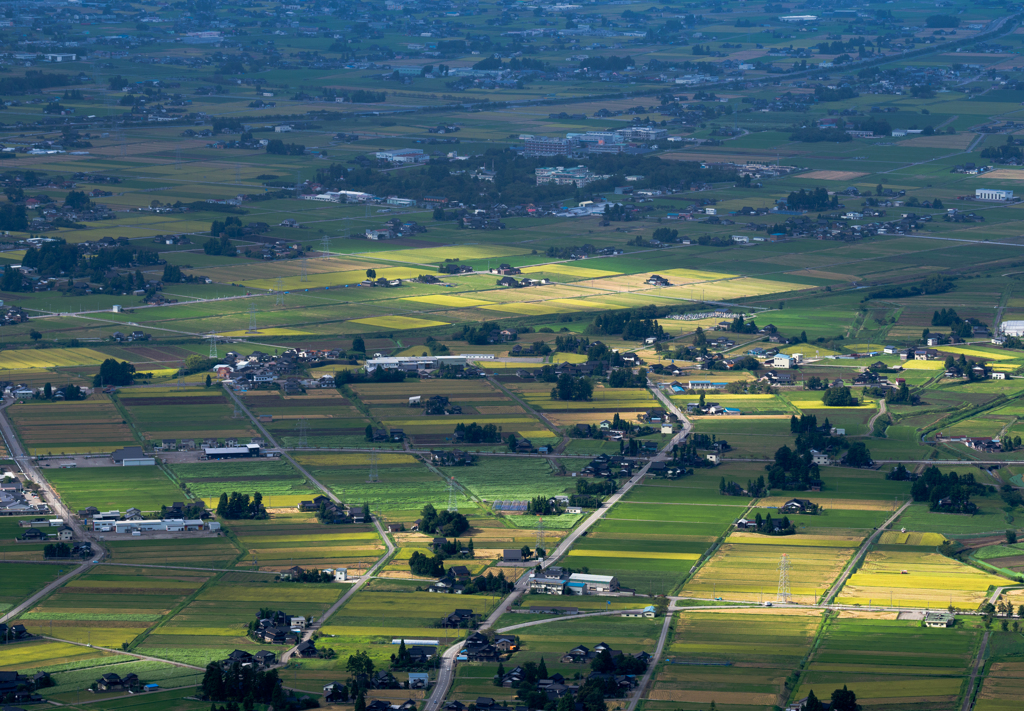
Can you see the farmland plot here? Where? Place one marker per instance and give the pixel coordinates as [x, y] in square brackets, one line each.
[107, 488]
[190, 413]
[280, 484]
[108, 605]
[331, 419]
[755, 675]
[92, 425]
[292, 538]
[890, 662]
[917, 579]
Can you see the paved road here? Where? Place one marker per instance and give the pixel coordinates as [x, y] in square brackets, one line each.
[367, 576]
[32, 473]
[655, 658]
[868, 542]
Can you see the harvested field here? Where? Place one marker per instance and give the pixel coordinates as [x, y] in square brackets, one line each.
[832, 175]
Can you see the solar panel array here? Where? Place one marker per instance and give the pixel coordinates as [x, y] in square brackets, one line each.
[510, 505]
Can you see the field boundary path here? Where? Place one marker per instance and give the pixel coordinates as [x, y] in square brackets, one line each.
[973, 679]
[266, 433]
[861, 552]
[881, 411]
[563, 618]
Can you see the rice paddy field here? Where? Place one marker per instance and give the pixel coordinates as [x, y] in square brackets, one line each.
[332, 420]
[917, 579]
[21, 580]
[108, 605]
[213, 621]
[290, 538]
[893, 663]
[107, 488]
[92, 425]
[189, 413]
[1002, 687]
[281, 485]
[744, 570]
[709, 658]
[203, 552]
[549, 641]
[481, 402]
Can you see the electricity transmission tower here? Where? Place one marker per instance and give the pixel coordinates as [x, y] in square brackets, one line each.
[325, 247]
[784, 595]
[305, 275]
[540, 532]
[453, 504]
[303, 427]
[238, 414]
[213, 344]
[252, 317]
[279, 295]
[373, 477]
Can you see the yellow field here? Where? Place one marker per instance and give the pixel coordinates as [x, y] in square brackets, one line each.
[750, 572]
[464, 253]
[535, 434]
[977, 353]
[265, 332]
[819, 405]
[796, 540]
[923, 365]
[442, 300]
[399, 322]
[38, 653]
[687, 276]
[50, 358]
[577, 304]
[524, 308]
[911, 539]
[569, 270]
[729, 289]
[917, 580]
[652, 555]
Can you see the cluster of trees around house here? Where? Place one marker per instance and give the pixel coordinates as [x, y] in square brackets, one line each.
[313, 575]
[478, 434]
[838, 396]
[934, 284]
[242, 684]
[429, 566]
[792, 470]
[278, 147]
[1009, 152]
[626, 378]
[174, 275]
[816, 199]
[767, 526]
[445, 523]
[70, 392]
[239, 506]
[949, 493]
[57, 550]
[114, 373]
[570, 387]
[755, 488]
[629, 325]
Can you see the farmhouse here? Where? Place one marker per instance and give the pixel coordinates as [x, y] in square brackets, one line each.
[939, 619]
[798, 506]
[512, 555]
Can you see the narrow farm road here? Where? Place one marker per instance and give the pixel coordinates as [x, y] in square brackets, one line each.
[972, 683]
[270, 438]
[868, 542]
[366, 577]
[881, 411]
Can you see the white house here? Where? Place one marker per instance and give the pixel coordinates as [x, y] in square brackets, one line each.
[782, 361]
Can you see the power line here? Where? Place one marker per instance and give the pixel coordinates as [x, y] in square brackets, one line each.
[784, 594]
[213, 344]
[325, 247]
[453, 504]
[373, 477]
[252, 317]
